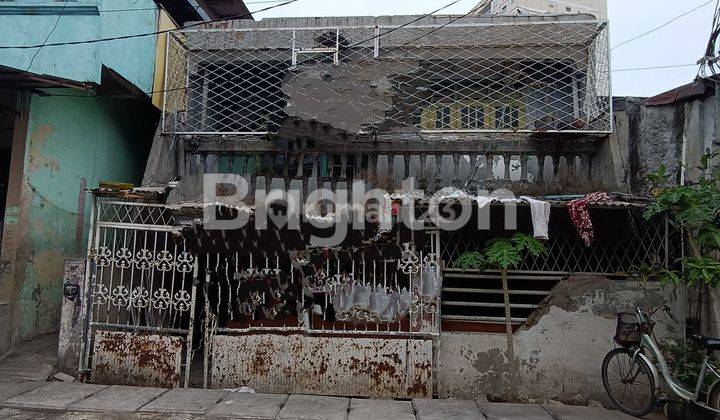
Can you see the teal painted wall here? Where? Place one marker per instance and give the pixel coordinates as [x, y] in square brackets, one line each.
[68, 139]
[27, 22]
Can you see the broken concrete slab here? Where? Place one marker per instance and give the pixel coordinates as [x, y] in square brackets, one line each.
[185, 401]
[119, 398]
[249, 406]
[312, 407]
[9, 389]
[362, 409]
[500, 411]
[568, 412]
[427, 409]
[54, 396]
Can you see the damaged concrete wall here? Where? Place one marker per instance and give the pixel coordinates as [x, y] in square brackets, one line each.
[71, 144]
[647, 136]
[559, 351]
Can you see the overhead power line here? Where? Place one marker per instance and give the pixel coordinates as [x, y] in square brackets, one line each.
[186, 7]
[57, 21]
[116, 38]
[143, 94]
[663, 25]
[674, 66]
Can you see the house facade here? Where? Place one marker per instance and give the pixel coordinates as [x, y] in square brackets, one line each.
[79, 89]
[298, 224]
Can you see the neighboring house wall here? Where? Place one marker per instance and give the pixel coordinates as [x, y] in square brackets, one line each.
[71, 143]
[648, 136]
[30, 22]
[559, 352]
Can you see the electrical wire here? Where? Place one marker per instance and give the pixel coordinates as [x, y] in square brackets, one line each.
[186, 7]
[674, 66]
[116, 38]
[145, 94]
[57, 21]
[709, 62]
[661, 26]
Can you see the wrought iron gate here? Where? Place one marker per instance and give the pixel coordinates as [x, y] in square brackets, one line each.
[356, 323]
[139, 297]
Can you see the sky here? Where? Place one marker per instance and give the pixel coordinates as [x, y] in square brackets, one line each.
[680, 42]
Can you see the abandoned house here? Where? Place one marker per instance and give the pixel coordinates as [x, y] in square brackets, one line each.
[454, 107]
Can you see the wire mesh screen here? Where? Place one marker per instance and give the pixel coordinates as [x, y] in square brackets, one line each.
[623, 242]
[461, 75]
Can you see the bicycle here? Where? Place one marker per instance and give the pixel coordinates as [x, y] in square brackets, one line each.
[631, 379]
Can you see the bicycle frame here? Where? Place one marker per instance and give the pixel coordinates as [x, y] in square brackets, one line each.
[648, 343]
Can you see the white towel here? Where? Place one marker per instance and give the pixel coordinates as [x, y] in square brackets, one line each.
[540, 212]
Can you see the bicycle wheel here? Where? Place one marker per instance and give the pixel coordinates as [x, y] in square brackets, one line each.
[629, 384]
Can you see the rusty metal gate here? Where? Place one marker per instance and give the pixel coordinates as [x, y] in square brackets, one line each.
[325, 321]
[139, 297]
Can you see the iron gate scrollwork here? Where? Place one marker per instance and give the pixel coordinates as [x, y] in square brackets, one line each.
[139, 297]
[359, 321]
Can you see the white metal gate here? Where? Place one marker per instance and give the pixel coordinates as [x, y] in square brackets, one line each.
[139, 297]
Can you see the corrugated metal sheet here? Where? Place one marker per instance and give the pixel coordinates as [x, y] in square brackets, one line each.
[125, 358]
[366, 367]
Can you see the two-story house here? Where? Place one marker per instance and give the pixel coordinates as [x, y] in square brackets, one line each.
[249, 252]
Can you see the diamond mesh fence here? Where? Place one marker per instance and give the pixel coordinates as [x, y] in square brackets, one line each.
[462, 75]
[623, 242]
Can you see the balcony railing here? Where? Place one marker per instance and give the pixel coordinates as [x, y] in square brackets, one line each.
[386, 75]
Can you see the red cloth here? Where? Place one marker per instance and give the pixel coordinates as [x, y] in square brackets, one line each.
[580, 215]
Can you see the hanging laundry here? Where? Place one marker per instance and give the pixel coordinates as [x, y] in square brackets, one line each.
[540, 213]
[580, 215]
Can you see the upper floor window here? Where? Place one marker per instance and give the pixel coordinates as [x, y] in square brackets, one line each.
[474, 115]
[507, 117]
[442, 117]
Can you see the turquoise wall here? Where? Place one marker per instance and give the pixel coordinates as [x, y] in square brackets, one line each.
[70, 138]
[28, 22]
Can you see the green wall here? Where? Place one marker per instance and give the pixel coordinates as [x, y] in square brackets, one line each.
[28, 22]
[70, 138]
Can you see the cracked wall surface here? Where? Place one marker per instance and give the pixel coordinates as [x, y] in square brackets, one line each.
[559, 352]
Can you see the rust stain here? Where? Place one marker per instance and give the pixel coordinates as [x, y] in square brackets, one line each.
[36, 157]
[281, 363]
[136, 359]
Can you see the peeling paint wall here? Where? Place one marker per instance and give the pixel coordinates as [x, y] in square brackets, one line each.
[71, 142]
[558, 352]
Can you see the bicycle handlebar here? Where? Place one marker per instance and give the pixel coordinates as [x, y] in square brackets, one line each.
[643, 316]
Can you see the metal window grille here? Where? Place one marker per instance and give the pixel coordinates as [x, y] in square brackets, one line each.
[525, 75]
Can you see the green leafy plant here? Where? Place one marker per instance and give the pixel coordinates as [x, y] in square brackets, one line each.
[685, 360]
[470, 260]
[696, 209]
[503, 254]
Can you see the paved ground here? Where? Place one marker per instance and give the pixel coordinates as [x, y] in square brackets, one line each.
[51, 400]
[34, 360]
[25, 394]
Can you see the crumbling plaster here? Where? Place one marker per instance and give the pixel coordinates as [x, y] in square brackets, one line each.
[559, 351]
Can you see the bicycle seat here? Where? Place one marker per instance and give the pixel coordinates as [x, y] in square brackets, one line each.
[708, 343]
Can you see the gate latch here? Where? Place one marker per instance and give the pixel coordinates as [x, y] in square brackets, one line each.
[71, 291]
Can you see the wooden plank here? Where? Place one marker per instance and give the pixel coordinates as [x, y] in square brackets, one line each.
[495, 291]
[489, 305]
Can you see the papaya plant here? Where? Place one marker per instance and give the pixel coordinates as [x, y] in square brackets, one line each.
[695, 209]
[503, 254]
